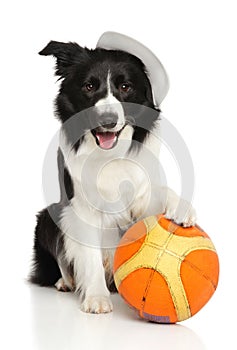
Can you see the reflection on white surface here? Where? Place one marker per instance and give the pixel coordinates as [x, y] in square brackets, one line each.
[58, 323]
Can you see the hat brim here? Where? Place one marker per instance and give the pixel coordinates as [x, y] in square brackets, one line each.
[156, 72]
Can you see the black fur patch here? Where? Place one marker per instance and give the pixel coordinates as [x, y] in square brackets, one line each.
[65, 180]
[48, 243]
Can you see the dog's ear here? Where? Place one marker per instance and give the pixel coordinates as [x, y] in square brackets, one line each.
[65, 53]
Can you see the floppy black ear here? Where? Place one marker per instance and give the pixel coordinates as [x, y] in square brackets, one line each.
[65, 53]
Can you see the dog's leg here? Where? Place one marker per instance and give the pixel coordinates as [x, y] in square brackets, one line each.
[89, 276]
[177, 209]
[66, 282]
[96, 293]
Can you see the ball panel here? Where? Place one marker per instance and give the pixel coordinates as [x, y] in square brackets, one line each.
[130, 243]
[199, 274]
[133, 287]
[147, 291]
[158, 304]
[206, 262]
[170, 226]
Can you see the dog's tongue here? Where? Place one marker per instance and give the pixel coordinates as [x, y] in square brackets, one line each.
[106, 139]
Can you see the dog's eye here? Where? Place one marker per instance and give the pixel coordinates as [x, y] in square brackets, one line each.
[125, 87]
[89, 87]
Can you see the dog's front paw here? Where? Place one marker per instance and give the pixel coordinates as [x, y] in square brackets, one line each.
[181, 213]
[97, 304]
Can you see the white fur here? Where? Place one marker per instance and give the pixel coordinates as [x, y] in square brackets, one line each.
[111, 104]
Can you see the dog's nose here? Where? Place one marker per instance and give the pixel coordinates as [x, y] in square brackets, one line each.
[109, 120]
[109, 126]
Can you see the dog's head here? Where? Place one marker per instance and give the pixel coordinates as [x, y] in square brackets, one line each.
[110, 81]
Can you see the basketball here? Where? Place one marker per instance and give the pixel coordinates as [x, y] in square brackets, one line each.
[166, 272]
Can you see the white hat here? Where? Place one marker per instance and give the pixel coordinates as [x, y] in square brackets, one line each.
[157, 74]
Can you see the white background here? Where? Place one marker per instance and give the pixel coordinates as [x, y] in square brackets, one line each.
[196, 42]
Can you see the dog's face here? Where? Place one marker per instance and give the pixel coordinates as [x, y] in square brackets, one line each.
[107, 80]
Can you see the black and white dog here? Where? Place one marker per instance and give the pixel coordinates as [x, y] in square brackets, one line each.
[109, 137]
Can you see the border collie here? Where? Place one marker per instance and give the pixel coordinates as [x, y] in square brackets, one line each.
[108, 171]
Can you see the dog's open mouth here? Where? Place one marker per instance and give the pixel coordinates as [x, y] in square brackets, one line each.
[107, 139]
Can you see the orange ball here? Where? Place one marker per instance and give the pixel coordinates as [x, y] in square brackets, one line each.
[166, 272]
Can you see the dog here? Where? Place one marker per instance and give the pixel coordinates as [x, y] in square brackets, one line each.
[109, 142]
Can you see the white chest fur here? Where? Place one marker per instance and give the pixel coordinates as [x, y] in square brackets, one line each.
[112, 187]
